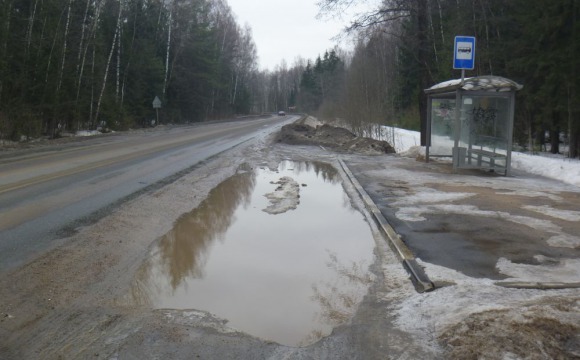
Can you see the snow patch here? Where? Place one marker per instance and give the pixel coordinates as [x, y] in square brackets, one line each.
[415, 213]
[560, 214]
[429, 314]
[566, 270]
[312, 121]
[413, 151]
[562, 169]
[431, 197]
[87, 133]
[565, 241]
[526, 192]
[286, 196]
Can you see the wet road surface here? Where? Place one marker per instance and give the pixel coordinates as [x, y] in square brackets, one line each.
[46, 191]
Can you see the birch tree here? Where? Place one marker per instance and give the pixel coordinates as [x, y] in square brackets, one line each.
[64, 46]
[106, 72]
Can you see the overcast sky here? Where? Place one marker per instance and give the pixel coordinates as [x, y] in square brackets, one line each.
[286, 29]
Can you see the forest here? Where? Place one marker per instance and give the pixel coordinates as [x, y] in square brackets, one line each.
[67, 65]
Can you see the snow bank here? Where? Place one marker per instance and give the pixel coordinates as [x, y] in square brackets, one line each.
[87, 133]
[559, 168]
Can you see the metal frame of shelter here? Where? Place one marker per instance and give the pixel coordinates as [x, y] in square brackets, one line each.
[477, 134]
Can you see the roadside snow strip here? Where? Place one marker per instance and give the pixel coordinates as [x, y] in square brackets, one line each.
[551, 166]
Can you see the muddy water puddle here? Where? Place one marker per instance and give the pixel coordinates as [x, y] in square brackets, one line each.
[280, 254]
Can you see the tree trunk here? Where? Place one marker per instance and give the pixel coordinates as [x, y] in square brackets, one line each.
[432, 28]
[118, 64]
[555, 134]
[441, 22]
[575, 143]
[541, 138]
[30, 27]
[5, 47]
[573, 98]
[82, 40]
[113, 43]
[422, 56]
[93, 33]
[130, 56]
[529, 122]
[61, 72]
[167, 54]
[51, 51]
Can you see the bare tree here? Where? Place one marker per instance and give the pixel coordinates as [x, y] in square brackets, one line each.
[391, 11]
[113, 43]
[169, 25]
[64, 43]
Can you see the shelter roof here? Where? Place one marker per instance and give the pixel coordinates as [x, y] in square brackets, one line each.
[478, 83]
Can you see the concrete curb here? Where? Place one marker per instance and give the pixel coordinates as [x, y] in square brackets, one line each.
[418, 276]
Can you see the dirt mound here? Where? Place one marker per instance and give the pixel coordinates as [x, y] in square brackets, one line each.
[336, 138]
[537, 331]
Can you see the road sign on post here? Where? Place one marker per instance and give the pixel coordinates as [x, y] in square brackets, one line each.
[464, 53]
[156, 103]
[157, 106]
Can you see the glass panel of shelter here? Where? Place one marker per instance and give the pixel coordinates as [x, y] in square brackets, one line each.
[484, 122]
[442, 126]
[484, 129]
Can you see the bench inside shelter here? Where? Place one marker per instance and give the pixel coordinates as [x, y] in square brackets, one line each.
[486, 150]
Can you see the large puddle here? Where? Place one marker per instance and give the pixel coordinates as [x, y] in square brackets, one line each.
[289, 275]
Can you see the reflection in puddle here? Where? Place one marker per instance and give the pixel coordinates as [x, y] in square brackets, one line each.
[289, 277]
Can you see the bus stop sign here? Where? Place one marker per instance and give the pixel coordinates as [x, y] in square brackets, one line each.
[464, 52]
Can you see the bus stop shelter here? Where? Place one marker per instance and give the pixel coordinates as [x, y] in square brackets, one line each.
[471, 121]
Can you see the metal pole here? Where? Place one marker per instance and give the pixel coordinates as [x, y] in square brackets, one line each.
[457, 130]
[429, 120]
[462, 76]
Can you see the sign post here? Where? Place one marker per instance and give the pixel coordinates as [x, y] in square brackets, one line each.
[157, 106]
[464, 54]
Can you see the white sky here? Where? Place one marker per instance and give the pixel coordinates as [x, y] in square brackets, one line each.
[286, 29]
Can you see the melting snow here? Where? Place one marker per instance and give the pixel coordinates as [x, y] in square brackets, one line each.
[560, 214]
[563, 169]
[286, 196]
[566, 270]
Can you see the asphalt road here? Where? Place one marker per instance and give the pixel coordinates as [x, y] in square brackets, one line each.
[46, 192]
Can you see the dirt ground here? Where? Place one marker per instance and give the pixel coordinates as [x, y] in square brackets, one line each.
[310, 131]
[76, 302]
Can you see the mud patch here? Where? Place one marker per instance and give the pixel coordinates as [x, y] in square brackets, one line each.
[535, 332]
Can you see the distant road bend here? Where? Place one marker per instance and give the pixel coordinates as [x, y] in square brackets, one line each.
[45, 189]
